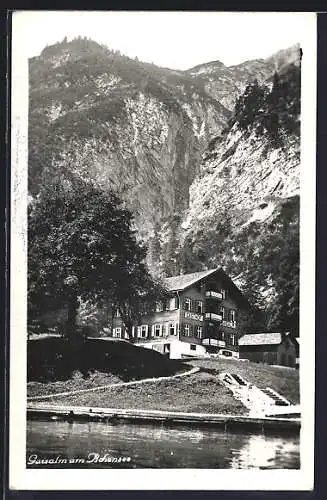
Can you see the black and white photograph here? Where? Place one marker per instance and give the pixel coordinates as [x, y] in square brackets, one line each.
[162, 236]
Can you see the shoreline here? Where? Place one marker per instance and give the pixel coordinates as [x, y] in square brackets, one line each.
[119, 415]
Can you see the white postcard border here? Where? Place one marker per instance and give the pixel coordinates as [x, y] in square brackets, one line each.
[21, 478]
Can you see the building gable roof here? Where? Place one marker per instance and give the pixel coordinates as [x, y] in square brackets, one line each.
[261, 339]
[175, 283]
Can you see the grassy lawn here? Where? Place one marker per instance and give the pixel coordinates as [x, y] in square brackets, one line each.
[282, 379]
[54, 365]
[200, 392]
[105, 363]
[76, 382]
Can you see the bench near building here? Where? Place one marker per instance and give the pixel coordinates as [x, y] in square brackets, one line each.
[270, 348]
[200, 315]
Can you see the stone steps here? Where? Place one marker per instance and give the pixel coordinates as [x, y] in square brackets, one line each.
[258, 401]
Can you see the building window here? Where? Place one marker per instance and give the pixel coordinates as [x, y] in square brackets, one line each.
[187, 304]
[186, 329]
[173, 303]
[117, 313]
[144, 330]
[193, 347]
[159, 306]
[164, 330]
[173, 328]
[117, 332]
[232, 315]
[157, 330]
[199, 332]
[223, 293]
[232, 339]
[199, 306]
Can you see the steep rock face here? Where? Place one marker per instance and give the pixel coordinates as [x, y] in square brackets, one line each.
[243, 180]
[244, 204]
[132, 127]
[206, 186]
[245, 172]
[218, 81]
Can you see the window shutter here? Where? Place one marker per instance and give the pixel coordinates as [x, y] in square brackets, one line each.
[222, 312]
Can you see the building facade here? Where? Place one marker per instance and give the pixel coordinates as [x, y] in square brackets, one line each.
[200, 315]
[271, 348]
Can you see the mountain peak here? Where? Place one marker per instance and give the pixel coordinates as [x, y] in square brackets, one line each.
[206, 68]
[82, 44]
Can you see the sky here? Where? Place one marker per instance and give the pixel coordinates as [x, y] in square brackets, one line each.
[178, 40]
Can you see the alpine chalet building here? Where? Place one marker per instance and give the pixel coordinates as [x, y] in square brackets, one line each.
[200, 315]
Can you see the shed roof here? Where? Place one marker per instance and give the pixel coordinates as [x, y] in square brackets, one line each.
[261, 339]
[183, 281]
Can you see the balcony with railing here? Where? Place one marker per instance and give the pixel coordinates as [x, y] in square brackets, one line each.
[211, 294]
[213, 342]
[213, 316]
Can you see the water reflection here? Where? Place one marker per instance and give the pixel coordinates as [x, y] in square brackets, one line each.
[150, 446]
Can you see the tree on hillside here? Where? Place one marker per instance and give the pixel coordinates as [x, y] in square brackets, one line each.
[277, 259]
[81, 245]
[154, 252]
[133, 296]
[170, 254]
[250, 104]
[253, 320]
[284, 311]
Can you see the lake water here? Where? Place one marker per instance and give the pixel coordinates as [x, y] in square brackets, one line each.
[57, 444]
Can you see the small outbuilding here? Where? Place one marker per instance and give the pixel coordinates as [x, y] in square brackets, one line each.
[270, 348]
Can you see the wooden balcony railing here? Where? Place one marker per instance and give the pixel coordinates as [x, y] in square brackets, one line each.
[213, 316]
[214, 295]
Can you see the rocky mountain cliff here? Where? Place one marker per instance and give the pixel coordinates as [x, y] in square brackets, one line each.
[207, 163]
[131, 126]
[244, 204]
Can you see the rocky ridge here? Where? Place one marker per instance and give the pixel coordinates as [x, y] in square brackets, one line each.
[225, 83]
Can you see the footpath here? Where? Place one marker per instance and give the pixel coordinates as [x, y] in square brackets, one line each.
[111, 386]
